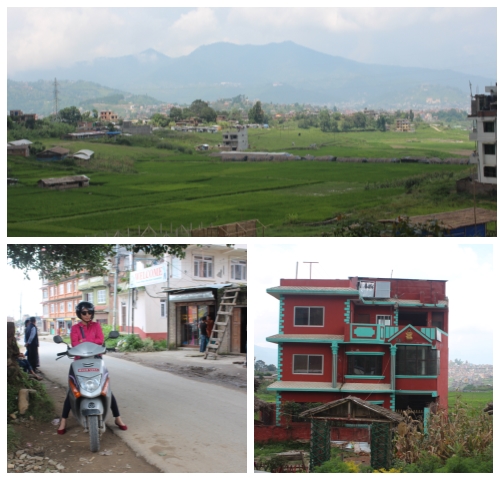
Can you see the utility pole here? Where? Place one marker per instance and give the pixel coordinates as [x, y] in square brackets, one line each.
[56, 91]
[133, 296]
[115, 297]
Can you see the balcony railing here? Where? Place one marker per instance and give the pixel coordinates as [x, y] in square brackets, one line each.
[369, 332]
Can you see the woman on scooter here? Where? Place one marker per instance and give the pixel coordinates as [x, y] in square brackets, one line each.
[87, 331]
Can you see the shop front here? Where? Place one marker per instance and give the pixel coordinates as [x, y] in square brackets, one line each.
[63, 326]
[188, 309]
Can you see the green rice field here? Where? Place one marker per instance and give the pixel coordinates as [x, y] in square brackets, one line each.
[135, 186]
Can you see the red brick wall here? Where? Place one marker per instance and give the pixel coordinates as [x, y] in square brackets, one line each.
[302, 431]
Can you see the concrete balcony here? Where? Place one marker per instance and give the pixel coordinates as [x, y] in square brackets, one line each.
[474, 159]
[93, 282]
[473, 135]
[371, 333]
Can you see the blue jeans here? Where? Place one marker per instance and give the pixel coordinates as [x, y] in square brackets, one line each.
[203, 343]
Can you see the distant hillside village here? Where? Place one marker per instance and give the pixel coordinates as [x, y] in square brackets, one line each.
[467, 376]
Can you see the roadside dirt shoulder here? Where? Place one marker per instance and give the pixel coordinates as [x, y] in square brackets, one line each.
[42, 450]
[228, 370]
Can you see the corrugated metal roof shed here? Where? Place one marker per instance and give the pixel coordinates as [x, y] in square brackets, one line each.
[19, 143]
[84, 154]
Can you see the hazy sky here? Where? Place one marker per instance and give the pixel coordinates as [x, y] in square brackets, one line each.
[468, 269]
[462, 39]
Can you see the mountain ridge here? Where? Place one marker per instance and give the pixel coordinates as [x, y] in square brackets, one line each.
[225, 69]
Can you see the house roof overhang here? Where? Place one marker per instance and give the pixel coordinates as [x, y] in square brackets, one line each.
[288, 386]
[353, 408]
[298, 338]
[291, 290]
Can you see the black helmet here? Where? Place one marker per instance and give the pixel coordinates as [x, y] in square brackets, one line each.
[89, 306]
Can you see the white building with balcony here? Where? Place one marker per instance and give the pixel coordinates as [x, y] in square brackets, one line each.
[184, 291]
[484, 133]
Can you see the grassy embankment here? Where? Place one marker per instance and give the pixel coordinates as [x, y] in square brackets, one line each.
[135, 186]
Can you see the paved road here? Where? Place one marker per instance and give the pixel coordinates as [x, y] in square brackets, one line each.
[177, 424]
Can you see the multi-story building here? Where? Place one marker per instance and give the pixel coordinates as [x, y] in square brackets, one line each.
[99, 291]
[403, 125]
[184, 291]
[58, 303]
[236, 140]
[108, 116]
[484, 133]
[19, 116]
[382, 340]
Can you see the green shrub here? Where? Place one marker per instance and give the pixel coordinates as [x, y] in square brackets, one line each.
[13, 439]
[458, 464]
[166, 146]
[160, 345]
[427, 463]
[131, 343]
[123, 141]
[148, 345]
[334, 465]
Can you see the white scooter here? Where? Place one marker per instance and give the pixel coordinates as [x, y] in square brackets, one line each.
[88, 387]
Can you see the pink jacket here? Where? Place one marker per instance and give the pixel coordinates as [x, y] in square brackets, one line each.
[91, 333]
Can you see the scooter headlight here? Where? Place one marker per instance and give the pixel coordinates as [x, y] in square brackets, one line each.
[89, 384]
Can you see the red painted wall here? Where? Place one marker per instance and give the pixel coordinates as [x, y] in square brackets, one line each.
[416, 384]
[289, 349]
[426, 291]
[333, 314]
[373, 311]
[143, 335]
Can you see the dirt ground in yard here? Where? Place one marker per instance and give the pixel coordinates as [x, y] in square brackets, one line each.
[42, 450]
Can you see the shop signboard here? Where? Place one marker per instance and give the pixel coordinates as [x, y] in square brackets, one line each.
[148, 276]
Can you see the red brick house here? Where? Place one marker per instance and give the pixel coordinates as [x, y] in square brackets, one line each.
[383, 340]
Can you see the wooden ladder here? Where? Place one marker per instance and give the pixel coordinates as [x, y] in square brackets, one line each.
[228, 301]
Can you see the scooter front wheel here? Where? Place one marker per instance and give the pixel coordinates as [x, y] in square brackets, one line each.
[93, 425]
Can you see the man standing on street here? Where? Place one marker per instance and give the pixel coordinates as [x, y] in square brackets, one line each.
[203, 334]
[32, 345]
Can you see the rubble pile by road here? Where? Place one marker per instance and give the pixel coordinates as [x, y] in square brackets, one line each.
[24, 461]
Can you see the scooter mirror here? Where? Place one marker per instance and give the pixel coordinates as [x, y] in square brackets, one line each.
[58, 339]
[114, 334]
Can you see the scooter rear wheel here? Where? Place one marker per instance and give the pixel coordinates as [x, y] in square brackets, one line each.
[93, 424]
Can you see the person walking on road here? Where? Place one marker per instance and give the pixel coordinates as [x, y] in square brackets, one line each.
[203, 334]
[87, 331]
